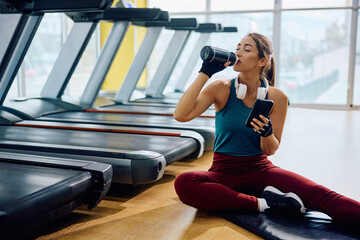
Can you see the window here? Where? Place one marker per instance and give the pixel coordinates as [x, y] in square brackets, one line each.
[312, 66]
[314, 60]
[357, 66]
[236, 5]
[315, 3]
[39, 59]
[161, 46]
[178, 6]
[245, 23]
[82, 73]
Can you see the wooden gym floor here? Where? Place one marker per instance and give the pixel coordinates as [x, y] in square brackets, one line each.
[319, 144]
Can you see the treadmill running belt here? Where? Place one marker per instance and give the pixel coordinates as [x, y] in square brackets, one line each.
[135, 158]
[31, 195]
[167, 121]
[314, 225]
[104, 144]
[203, 126]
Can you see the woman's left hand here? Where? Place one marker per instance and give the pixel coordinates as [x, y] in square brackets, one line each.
[264, 127]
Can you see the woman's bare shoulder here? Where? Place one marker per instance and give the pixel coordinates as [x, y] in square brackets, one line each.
[277, 95]
[220, 90]
[225, 83]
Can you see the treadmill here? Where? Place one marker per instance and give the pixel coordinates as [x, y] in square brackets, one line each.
[50, 106]
[36, 190]
[122, 103]
[137, 156]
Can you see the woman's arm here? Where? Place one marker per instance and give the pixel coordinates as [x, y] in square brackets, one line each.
[269, 145]
[194, 102]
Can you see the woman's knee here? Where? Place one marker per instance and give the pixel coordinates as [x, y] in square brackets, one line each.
[185, 184]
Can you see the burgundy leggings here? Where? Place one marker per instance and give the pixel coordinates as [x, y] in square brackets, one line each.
[234, 182]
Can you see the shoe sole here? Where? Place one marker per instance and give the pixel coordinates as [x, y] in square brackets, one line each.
[290, 194]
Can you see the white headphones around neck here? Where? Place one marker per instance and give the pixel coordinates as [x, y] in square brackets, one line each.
[242, 88]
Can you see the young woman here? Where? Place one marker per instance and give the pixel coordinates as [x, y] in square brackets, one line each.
[241, 176]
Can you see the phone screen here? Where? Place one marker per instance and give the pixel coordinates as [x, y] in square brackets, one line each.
[261, 106]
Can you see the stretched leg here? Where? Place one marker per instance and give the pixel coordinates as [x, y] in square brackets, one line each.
[315, 196]
[212, 191]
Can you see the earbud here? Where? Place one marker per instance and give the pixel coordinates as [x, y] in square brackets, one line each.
[242, 88]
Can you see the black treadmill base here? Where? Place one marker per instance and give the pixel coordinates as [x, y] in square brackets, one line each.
[27, 230]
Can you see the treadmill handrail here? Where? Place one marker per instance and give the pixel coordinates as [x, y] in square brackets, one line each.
[173, 24]
[209, 27]
[25, 6]
[163, 18]
[230, 29]
[183, 24]
[102, 173]
[47, 161]
[117, 14]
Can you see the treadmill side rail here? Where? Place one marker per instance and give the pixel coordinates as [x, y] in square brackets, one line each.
[102, 173]
[16, 6]
[34, 196]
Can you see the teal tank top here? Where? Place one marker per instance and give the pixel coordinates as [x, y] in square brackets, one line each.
[232, 137]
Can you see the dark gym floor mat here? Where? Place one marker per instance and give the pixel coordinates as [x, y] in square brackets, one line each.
[314, 225]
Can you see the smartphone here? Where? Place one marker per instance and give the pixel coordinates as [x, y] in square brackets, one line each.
[261, 106]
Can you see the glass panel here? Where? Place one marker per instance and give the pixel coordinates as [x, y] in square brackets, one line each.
[315, 3]
[314, 60]
[179, 6]
[357, 67]
[158, 52]
[245, 23]
[42, 55]
[39, 59]
[184, 56]
[236, 5]
[160, 48]
[7, 29]
[83, 70]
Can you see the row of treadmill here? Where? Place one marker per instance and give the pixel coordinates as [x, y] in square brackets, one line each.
[58, 154]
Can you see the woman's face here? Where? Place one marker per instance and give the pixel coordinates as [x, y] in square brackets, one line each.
[247, 53]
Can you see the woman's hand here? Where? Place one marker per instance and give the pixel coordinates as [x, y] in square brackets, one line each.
[211, 68]
[264, 127]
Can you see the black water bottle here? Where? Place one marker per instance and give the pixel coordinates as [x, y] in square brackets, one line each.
[218, 55]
